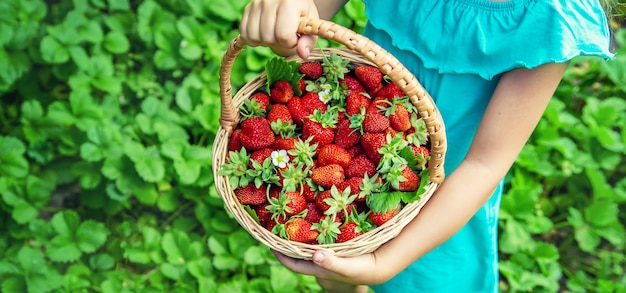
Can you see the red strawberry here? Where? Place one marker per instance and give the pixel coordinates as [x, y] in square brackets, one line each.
[260, 155]
[301, 85]
[355, 101]
[312, 70]
[360, 166]
[272, 222]
[311, 102]
[285, 143]
[375, 122]
[369, 76]
[349, 231]
[356, 150]
[421, 150]
[309, 194]
[351, 84]
[263, 214]
[262, 98]
[355, 186]
[333, 154]
[279, 112]
[298, 112]
[251, 195]
[256, 133]
[400, 120]
[346, 136]
[299, 230]
[296, 204]
[313, 214]
[234, 144]
[320, 200]
[281, 92]
[412, 180]
[327, 176]
[390, 91]
[379, 218]
[371, 143]
[322, 136]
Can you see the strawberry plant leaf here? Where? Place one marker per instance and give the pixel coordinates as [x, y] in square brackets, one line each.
[91, 235]
[278, 69]
[12, 157]
[384, 201]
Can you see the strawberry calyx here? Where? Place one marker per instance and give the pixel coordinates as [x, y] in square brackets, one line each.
[236, 168]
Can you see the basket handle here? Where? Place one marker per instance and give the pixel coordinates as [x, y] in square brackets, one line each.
[388, 65]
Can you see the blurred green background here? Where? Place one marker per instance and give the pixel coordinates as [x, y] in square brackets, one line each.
[108, 112]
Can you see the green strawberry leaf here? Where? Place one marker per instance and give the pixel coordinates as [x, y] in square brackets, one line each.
[278, 69]
[384, 201]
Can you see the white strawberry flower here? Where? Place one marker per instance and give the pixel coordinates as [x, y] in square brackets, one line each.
[326, 87]
[280, 158]
[324, 96]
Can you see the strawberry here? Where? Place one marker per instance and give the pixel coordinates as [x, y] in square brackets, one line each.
[371, 143]
[274, 221]
[281, 92]
[400, 119]
[262, 98]
[421, 150]
[311, 102]
[256, 133]
[411, 183]
[390, 91]
[260, 155]
[356, 150]
[375, 121]
[297, 110]
[379, 218]
[319, 134]
[251, 195]
[312, 70]
[346, 136]
[285, 143]
[280, 112]
[299, 230]
[359, 166]
[313, 214]
[234, 144]
[296, 203]
[263, 214]
[333, 154]
[355, 101]
[349, 231]
[320, 200]
[327, 176]
[308, 193]
[371, 77]
[354, 183]
[351, 84]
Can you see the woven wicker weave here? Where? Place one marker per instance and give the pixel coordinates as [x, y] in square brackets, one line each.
[359, 50]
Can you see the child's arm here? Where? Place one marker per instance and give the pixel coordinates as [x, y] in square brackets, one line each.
[273, 23]
[512, 114]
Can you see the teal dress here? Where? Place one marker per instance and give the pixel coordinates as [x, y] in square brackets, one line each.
[458, 50]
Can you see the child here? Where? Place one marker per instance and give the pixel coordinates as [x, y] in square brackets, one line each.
[491, 67]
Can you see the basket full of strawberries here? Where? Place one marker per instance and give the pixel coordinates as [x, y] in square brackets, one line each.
[338, 152]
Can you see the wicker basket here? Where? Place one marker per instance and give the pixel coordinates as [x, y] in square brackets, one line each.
[359, 50]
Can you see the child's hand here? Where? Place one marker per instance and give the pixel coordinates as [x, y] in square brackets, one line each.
[359, 270]
[274, 23]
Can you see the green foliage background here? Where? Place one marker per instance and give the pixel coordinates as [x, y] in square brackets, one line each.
[108, 112]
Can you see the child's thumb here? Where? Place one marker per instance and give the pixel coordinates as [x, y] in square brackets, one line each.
[305, 45]
[328, 261]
